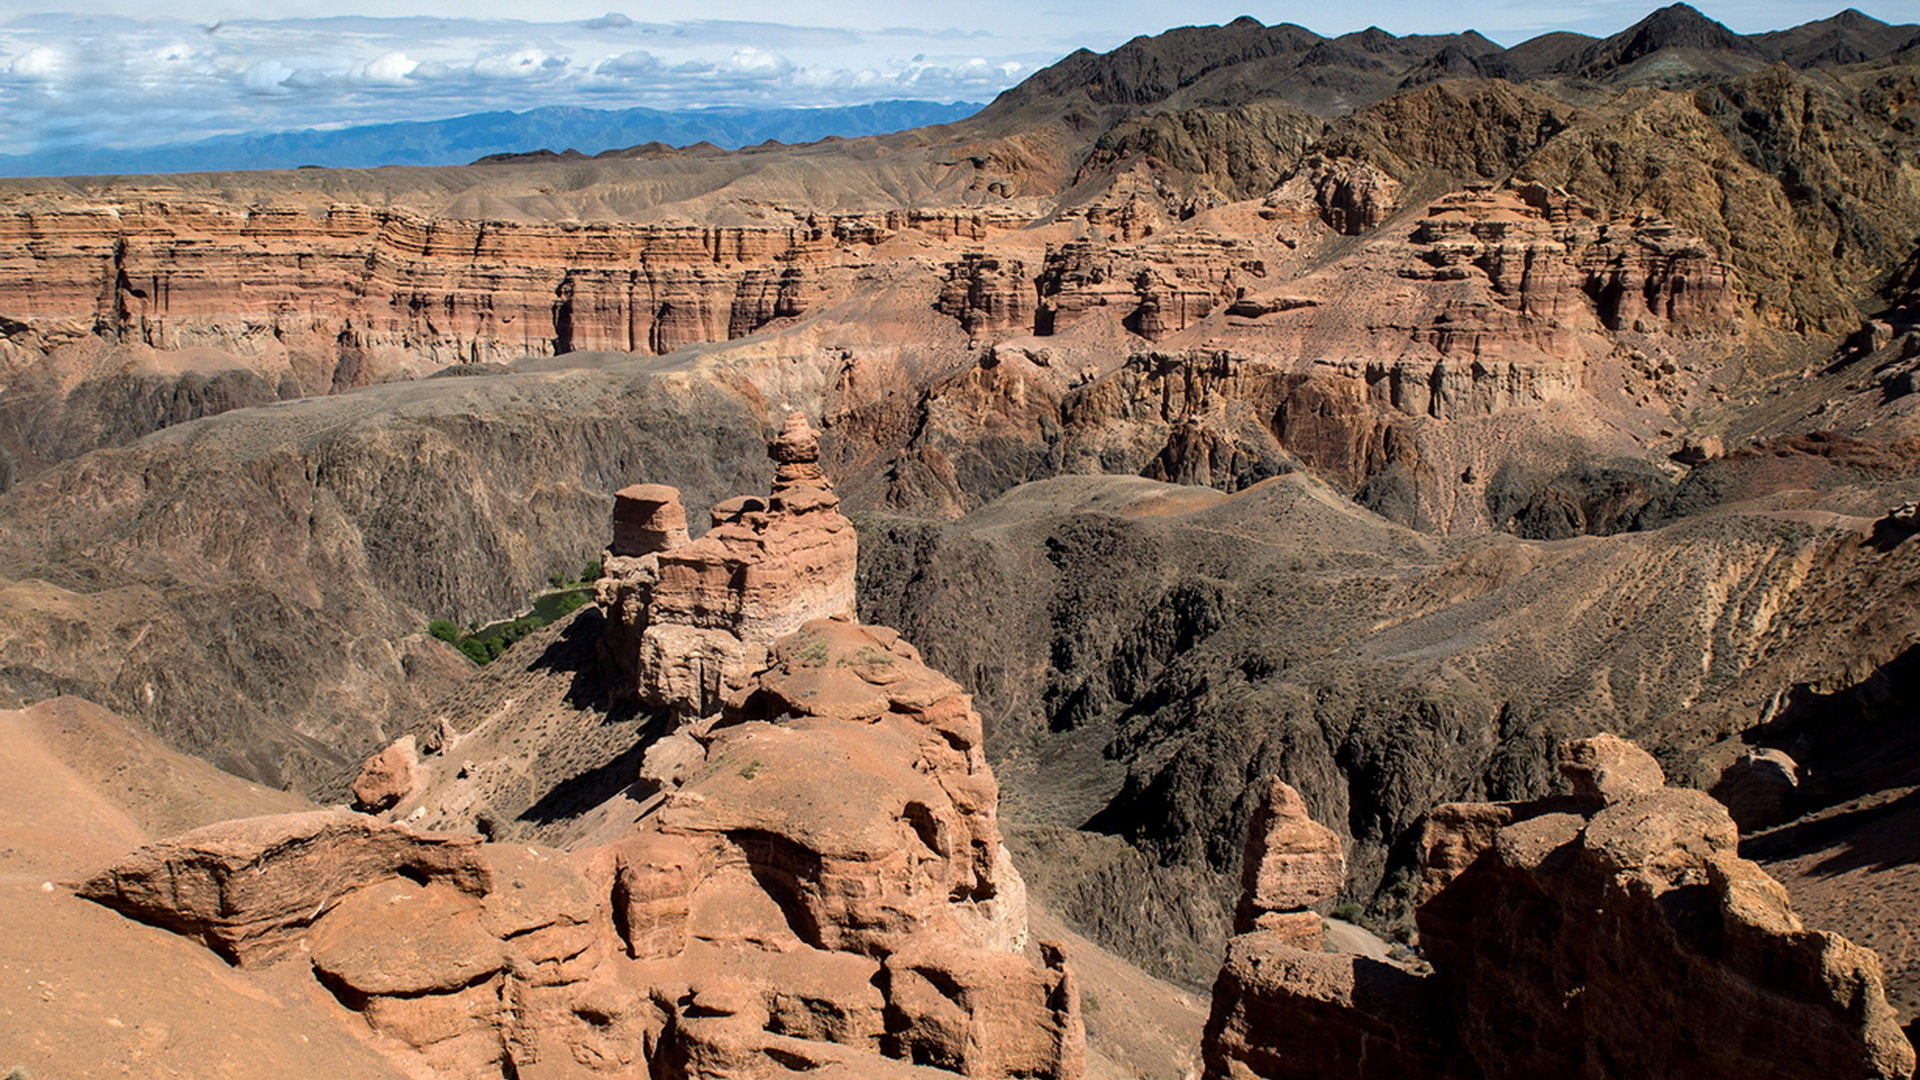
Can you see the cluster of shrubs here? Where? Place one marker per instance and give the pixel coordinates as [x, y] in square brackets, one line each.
[483, 643]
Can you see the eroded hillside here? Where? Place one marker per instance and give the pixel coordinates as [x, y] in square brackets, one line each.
[1373, 412]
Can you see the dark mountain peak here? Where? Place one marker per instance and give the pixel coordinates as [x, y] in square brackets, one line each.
[1677, 26]
[1850, 37]
[1340, 52]
[1372, 39]
[1854, 19]
[1455, 62]
[1150, 69]
[1474, 43]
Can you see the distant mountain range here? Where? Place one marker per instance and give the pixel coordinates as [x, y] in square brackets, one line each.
[463, 139]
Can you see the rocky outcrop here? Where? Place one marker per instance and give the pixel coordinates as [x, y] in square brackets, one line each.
[1155, 288]
[1617, 927]
[349, 283]
[388, 777]
[1292, 861]
[691, 619]
[1759, 788]
[251, 888]
[816, 879]
[989, 295]
[1351, 198]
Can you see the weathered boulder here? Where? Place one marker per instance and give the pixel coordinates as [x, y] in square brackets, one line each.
[251, 887]
[388, 777]
[985, 1014]
[1285, 1013]
[647, 518]
[1758, 788]
[397, 938]
[1606, 768]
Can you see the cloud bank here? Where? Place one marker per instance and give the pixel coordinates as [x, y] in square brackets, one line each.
[75, 82]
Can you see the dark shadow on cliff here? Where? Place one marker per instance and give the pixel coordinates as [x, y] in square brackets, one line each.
[592, 690]
[1855, 741]
[1890, 532]
[574, 653]
[1878, 837]
[582, 792]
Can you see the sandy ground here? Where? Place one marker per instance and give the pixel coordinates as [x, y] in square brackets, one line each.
[85, 992]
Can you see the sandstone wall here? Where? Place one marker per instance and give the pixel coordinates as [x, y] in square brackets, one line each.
[177, 273]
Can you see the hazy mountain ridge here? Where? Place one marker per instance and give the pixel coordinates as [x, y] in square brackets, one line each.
[462, 139]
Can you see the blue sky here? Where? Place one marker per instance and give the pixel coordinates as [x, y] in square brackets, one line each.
[127, 73]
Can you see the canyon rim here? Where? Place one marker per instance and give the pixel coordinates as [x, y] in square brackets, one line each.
[1258, 554]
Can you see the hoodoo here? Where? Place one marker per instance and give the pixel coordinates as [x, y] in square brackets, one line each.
[818, 882]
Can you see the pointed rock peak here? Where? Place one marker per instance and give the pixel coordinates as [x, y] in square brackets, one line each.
[1373, 39]
[1681, 25]
[1855, 19]
[1476, 43]
[1284, 801]
[1291, 861]
[1678, 26]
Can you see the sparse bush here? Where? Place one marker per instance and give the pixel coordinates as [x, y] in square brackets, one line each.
[592, 571]
[481, 644]
[1347, 911]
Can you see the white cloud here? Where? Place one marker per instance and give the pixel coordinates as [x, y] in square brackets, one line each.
[637, 62]
[81, 82]
[389, 69]
[267, 77]
[749, 60]
[39, 64]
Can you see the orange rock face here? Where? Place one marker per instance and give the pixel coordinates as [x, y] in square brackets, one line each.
[178, 271]
[388, 777]
[1292, 861]
[1619, 928]
[819, 884]
[692, 619]
[251, 887]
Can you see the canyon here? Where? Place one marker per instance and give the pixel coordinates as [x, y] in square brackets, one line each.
[1275, 460]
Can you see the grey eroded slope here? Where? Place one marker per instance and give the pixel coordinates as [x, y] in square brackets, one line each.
[1148, 653]
[253, 586]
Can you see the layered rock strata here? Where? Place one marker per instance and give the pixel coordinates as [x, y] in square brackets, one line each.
[1618, 929]
[351, 279]
[816, 882]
